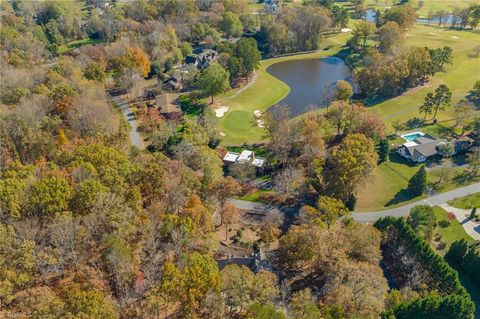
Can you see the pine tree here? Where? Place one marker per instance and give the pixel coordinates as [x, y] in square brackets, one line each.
[418, 183]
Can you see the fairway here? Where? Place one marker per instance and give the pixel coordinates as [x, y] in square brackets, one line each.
[459, 77]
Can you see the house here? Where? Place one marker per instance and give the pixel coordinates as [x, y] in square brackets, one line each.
[256, 263]
[420, 148]
[173, 83]
[203, 60]
[244, 157]
[167, 105]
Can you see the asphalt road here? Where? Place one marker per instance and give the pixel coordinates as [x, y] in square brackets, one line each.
[135, 138]
[370, 217]
[433, 200]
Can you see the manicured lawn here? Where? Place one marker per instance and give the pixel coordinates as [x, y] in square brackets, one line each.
[422, 7]
[384, 190]
[451, 233]
[76, 44]
[467, 202]
[237, 123]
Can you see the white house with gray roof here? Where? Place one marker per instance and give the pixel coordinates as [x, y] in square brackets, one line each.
[421, 148]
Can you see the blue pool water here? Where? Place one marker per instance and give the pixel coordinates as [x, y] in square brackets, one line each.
[412, 137]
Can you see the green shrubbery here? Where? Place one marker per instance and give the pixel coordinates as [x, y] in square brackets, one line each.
[445, 296]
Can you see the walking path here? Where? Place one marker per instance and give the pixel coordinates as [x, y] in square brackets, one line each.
[471, 228]
[249, 84]
[135, 138]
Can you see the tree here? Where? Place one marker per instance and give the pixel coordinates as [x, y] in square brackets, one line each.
[344, 91]
[213, 80]
[446, 149]
[350, 164]
[229, 215]
[50, 195]
[383, 150]
[231, 25]
[437, 101]
[361, 32]
[462, 113]
[95, 71]
[473, 160]
[389, 36]
[473, 213]
[246, 52]
[268, 311]
[303, 305]
[422, 220]
[290, 183]
[417, 185]
[331, 209]
[242, 288]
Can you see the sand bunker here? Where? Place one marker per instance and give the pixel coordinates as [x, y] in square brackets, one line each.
[260, 123]
[219, 112]
[431, 33]
[344, 30]
[257, 113]
[454, 37]
[221, 134]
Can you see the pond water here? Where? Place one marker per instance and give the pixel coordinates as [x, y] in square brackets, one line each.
[370, 15]
[312, 82]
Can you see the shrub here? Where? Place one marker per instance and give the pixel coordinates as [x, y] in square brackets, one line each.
[451, 216]
[444, 223]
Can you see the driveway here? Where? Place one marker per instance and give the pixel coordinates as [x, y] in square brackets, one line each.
[471, 228]
[433, 200]
[135, 138]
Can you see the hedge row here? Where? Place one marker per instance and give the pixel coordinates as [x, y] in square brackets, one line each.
[466, 258]
[450, 299]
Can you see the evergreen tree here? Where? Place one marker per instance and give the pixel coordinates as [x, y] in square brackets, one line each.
[417, 185]
[383, 151]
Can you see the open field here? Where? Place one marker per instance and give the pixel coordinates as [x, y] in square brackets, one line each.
[266, 91]
[76, 44]
[467, 202]
[423, 7]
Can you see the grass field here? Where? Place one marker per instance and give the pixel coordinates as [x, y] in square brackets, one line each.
[76, 44]
[467, 202]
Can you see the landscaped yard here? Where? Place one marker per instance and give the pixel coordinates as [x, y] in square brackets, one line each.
[467, 202]
[451, 233]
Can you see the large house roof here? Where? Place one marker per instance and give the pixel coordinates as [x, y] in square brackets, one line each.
[426, 147]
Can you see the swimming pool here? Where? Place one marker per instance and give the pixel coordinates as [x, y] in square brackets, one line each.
[412, 136]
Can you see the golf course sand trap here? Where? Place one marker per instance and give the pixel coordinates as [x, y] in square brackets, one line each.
[454, 37]
[431, 33]
[219, 112]
[344, 30]
[257, 113]
[260, 124]
[221, 134]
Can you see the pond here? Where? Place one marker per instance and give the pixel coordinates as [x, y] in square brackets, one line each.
[312, 82]
[370, 15]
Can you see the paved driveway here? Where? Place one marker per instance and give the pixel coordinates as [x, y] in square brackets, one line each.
[135, 138]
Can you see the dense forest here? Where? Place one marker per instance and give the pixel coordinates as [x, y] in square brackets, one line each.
[94, 227]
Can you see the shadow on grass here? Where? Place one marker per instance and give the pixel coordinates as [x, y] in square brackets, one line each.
[400, 197]
[394, 157]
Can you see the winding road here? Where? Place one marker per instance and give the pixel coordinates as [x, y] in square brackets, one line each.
[135, 138]
[370, 217]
